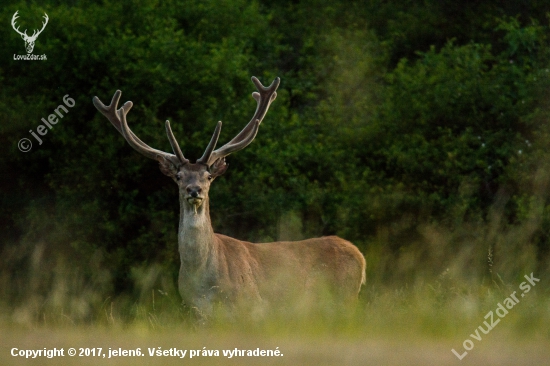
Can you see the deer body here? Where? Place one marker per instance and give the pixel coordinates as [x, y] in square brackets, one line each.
[216, 268]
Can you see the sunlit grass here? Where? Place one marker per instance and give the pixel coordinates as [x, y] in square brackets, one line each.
[440, 307]
[392, 326]
[418, 304]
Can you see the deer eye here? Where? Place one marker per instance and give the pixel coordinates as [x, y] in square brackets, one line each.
[178, 177]
[209, 176]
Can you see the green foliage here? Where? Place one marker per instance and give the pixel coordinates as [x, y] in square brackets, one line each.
[389, 115]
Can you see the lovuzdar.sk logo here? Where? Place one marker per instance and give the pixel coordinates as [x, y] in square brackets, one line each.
[29, 40]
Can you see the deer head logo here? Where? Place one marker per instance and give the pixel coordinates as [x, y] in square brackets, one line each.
[29, 40]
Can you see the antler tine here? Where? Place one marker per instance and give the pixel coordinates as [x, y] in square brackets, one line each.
[43, 24]
[13, 20]
[174, 144]
[118, 119]
[37, 32]
[264, 97]
[233, 147]
[211, 145]
[110, 112]
[139, 145]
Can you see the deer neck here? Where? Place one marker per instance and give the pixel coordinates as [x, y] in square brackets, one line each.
[196, 236]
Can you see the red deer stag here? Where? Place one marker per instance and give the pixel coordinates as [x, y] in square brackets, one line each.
[217, 268]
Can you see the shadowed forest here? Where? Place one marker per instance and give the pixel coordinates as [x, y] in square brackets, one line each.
[419, 131]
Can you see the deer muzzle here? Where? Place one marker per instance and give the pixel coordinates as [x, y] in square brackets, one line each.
[194, 201]
[194, 198]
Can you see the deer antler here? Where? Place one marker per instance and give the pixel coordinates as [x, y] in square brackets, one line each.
[24, 34]
[264, 97]
[118, 119]
[13, 19]
[37, 32]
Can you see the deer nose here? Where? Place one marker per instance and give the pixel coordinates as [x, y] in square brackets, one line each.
[194, 191]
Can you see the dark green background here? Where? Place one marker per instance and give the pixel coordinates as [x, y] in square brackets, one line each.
[390, 115]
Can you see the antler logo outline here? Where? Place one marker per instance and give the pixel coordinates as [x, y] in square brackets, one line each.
[29, 40]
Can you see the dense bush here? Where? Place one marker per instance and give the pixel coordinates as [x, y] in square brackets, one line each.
[385, 119]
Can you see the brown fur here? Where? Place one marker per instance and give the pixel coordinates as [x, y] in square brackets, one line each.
[305, 267]
[217, 268]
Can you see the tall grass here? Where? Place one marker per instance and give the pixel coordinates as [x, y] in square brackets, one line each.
[419, 303]
[439, 284]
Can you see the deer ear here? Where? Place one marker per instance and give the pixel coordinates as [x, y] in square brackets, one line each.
[218, 168]
[167, 167]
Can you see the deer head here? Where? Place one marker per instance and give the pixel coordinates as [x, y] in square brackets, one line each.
[193, 179]
[29, 40]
